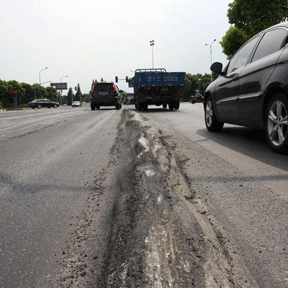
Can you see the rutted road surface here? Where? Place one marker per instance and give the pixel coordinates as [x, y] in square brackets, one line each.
[154, 209]
[159, 232]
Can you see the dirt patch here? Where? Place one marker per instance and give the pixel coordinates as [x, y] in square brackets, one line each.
[155, 230]
[148, 246]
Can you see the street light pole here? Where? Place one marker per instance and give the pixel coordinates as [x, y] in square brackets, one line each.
[61, 89]
[211, 53]
[152, 44]
[39, 74]
[47, 82]
[63, 77]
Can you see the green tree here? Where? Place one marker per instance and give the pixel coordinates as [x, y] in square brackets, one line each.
[249, 18]
[232, 41]
[78, 95]
[122, 95]
[195, 82]
[70, 96]
[40, 91]
[29, 92]
[4, 92]
[86, 97]
[52, 93]
[13, 85]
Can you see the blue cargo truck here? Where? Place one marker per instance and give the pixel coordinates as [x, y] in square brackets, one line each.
[157, 87]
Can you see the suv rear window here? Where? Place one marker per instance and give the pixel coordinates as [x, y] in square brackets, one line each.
[101, 88]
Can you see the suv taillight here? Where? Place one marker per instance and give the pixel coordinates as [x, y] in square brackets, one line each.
[114, 88]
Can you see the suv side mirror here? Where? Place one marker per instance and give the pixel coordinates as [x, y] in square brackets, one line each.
[217, 67]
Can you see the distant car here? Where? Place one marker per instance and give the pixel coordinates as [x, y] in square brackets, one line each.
[252, 90]
[39, 103]
[76, 104]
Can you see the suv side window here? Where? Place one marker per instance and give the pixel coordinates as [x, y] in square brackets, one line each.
[241, 57]
[271, 42]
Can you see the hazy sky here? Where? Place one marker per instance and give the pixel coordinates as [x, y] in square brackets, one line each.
[88, 40]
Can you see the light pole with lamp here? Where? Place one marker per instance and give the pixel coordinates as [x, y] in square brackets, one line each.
[152, 44]
[52, 91]
[63, 77]
[211, 53]
[47, 82]
[39, 74]
[61, 89]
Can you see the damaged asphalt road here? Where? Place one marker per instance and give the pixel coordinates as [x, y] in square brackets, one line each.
[155, 229]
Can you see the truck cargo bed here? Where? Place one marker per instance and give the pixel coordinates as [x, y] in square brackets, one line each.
[157, 87]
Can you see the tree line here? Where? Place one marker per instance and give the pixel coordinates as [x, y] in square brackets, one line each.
[18, 94]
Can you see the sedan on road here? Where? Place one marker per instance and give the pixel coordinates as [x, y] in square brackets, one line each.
[39, 103]
[76, 104]
[252, 90]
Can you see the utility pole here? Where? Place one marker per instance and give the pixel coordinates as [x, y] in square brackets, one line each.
[152, 44]
[211, 53]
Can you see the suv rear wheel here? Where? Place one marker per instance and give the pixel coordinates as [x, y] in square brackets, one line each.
[92, 107]
[139, 106]
[145, 106]
[276, 123]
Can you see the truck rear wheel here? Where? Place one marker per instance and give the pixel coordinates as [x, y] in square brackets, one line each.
[176, 105]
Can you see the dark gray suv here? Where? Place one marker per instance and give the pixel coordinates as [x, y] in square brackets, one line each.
[104, 94]
[252, 90]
